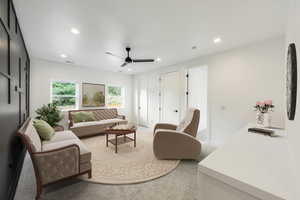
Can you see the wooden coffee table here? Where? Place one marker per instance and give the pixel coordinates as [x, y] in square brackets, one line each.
[123, 131]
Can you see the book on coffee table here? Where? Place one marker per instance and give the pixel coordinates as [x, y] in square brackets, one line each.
[261, 131]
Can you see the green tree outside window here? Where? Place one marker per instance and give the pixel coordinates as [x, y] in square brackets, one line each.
[64, 94]
[115, 96]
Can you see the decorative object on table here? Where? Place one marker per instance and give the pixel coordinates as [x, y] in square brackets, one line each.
[128, 126]
[291, 82]
[50, 114]
[121, 130]
[261, 131]
[93, 95]
[263, 116]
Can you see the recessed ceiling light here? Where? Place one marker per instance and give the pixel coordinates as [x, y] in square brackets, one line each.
[158, 59]
[69, 62]
[63, 55]
[217, 40]
[75, 31]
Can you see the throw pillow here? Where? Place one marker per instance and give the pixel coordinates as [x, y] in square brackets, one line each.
[45, 131]
[83, 117]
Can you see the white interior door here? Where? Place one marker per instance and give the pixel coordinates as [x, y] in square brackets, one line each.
[170, 98]
[143, 103]
[197, 97]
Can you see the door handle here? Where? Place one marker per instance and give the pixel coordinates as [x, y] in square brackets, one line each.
[176, 111]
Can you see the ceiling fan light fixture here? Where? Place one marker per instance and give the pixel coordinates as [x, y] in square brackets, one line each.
[129, 60]
[158, 59]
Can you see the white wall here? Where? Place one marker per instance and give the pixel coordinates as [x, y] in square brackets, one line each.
[236, 80]
[43, 72]
[293, 127]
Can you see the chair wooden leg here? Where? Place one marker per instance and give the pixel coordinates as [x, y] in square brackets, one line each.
[90, 174]
[39, 192]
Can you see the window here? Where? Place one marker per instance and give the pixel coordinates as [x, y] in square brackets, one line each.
[115, 97]
[64, 94]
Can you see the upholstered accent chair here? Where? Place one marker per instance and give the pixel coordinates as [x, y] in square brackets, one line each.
[62, 157]
[178, 142]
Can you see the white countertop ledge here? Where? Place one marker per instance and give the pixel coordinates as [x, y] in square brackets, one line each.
[256, 164]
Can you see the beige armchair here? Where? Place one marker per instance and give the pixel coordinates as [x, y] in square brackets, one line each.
[178, 142]
[62, 157]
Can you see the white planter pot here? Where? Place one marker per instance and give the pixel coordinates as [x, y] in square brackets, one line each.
[263, 119]
[267, 120]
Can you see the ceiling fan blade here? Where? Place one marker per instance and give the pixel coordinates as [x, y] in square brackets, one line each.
[124, 64]
[111, 54]
[143, 60]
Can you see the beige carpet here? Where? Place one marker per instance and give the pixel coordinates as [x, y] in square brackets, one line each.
[129, 165]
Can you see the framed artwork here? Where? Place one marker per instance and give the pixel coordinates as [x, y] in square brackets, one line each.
[93, 95]
[291, 81]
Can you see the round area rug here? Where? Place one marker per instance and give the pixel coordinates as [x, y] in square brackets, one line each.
[130, 165]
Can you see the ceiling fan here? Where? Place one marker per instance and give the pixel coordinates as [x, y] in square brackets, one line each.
[128, 59]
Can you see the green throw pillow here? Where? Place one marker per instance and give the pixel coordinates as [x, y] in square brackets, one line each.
[83, 117]
[45, 131]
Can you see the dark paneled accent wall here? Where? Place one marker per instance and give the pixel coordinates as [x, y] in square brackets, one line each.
[14, 98]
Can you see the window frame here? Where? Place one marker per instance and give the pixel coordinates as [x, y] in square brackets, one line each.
[123, 94]
[62, 108]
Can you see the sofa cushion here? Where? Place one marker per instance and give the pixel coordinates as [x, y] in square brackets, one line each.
[61, 136]
[33, 137]
[45, 131]
[102, 122]
[85, 154]
[83, 116]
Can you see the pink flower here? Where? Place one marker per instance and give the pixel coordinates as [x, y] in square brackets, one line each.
[268, 102]
[259, 103]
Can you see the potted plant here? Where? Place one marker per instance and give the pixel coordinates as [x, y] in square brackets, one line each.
[263, 117]
[51, 114]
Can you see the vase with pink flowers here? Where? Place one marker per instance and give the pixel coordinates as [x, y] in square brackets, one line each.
[263, 116]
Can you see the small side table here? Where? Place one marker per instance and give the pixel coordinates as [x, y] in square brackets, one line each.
[120, 130]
